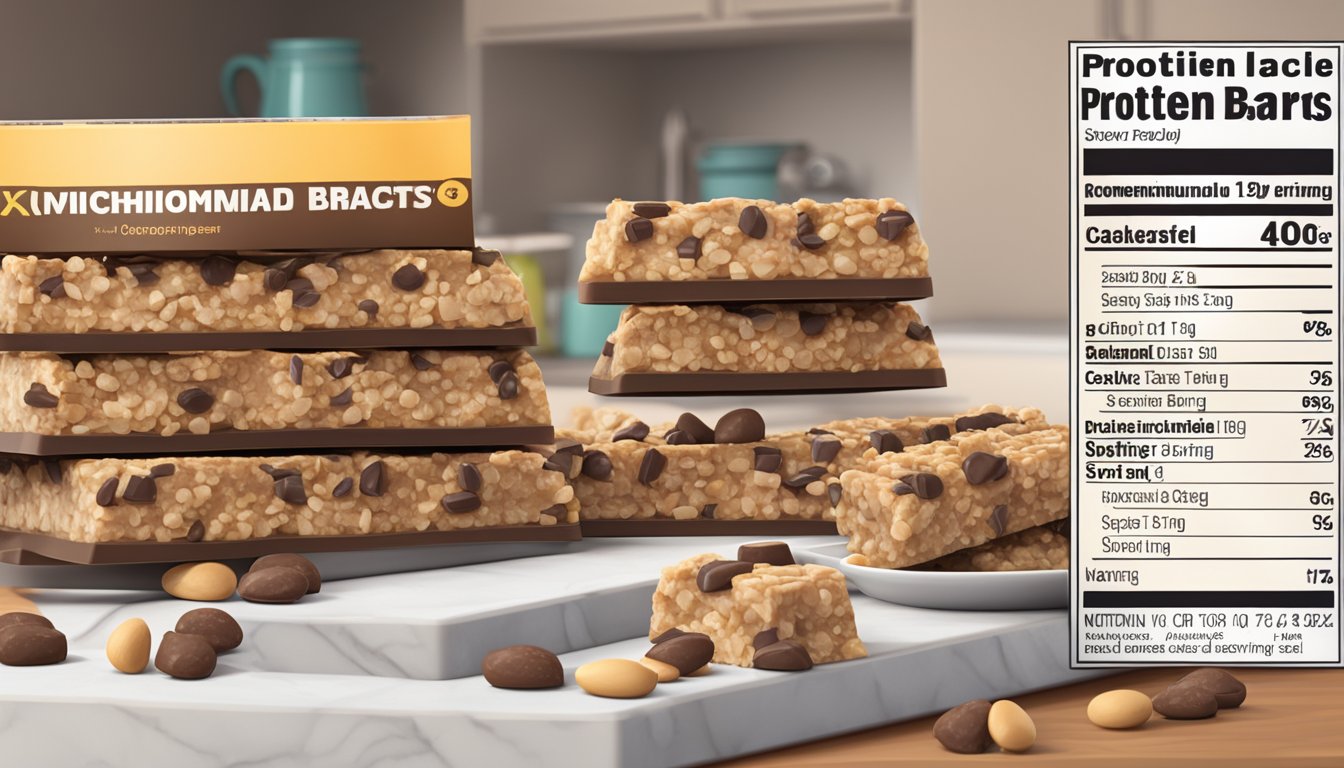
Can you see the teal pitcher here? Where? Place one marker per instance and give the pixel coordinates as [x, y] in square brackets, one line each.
[303, 77]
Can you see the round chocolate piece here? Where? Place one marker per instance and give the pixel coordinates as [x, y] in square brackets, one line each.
[687, 652]
[275, 584]
[298, 562]
[523, 667]
[218, 628]
[185, 657]
[743, 425]
[964, 729]
[31, 645]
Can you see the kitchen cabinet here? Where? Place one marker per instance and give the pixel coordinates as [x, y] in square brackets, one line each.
[495, 20]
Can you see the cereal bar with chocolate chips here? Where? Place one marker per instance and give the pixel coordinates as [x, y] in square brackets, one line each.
[738, 239]
[204, 392]
[153, 294]
[1043, 548]
[768, 338]
[929, 500]
[754, 611]
[212, 498]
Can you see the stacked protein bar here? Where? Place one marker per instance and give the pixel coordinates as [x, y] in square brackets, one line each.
[739, 295]
[147, 413]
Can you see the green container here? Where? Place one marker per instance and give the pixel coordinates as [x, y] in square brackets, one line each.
[741, 170]
[303, 77]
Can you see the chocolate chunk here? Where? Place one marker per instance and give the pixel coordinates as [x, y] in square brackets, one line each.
[1058, 527]
[825, 448]
[768, 459]
[687, 652]
[162, 470]
[53, 287]
[924, 485]
[420, 362]
[296, 369]
[372, 480]
[783, 656]
[805, 225]
[523, 667]
[651, 466]
[195, 400]
[107, 493]
[497, 370]
[558, 462]
[652, 210]
[769, 552]
[557, 511]
[566, 445]
[345, 397]
[274, 280]
[6, 464]
[185, 657]
[689, 248]
[1186, 701]
[886, 441]
[636, 431]
[273, 584]
[469, 477]
[196, 532]
[408, 277]
[752, 222]
[483, 257]
[811, 323]
[305, 299]
[342, 366]
[964, 729]
[805, 478]
[983, 421]
[596, 465]
[1227, 689]
[343, 488]
[742, 425]
[697, 430]
[465, 501]
[218, 270]
[765, 637]
[668, 635]
[31, 645]
[53, 470]
[937, 433]
[37, 396]
[638, 229]
[981, 467]
[811, 242]
[278, 473]
[508, 386]
[998, 519]
[891, 224]
[16, 618]
[368, 307]
[144, 274]
[761, 318]
[608, 349]
[290, 560]
[218, 628]
[290, 490]
[707, 512]
[919, 332]
[834, 492]
[141, 490]
[717, 575]
[677, 437]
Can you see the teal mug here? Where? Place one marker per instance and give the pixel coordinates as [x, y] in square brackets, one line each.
[303, 77]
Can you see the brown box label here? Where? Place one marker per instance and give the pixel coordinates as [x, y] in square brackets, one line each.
[235, 185]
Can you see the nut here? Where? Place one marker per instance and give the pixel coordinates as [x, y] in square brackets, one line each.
[666, 672]
[1011, 727]
[218, 628]
[277, 584]
[186, 657]
[1120, 709]
[965, 728]
[616, 679]
[1186, 701]
[523, 666]
[30, 645]
[128, 646]
[208, 582]
[303, 564]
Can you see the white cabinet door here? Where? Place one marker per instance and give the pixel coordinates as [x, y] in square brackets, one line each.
[496, 19]
[1243, 20]
[798, 9]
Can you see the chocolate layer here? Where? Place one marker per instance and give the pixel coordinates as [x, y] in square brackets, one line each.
[728, 291]
[715, 382]
[104, 342]
[702, 527]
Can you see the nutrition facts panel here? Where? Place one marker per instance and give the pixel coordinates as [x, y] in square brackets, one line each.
[1204, 352]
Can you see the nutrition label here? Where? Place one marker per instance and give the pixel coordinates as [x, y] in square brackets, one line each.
[1204, 352]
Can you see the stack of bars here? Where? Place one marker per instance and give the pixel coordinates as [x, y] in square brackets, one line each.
[190, 406]
[739, 295]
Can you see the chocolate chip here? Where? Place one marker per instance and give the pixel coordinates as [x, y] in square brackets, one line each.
[834, 492]
[523, 667]
[558, 462]
[638, 229]
[1227, 689]
[783, 656]
[811, 242]
[483, 257]
[983, 421]
[497, 370]
[998, 520]
[195, 400]
[465, 501]
[162, 470]
[278, 473]
[636, 431]
[886, 441]
[1186, 701]
[608, 349]
[141, 490]
[964, 729]
[342, 367]
[305, 299]
[508, 386]
[765, 637]
[408, 277]
[742, 425]
[652, 210]
[185, 657]
[372, 480]
[343, 488]
[273, 584]
[651, 466]
[919, 332]
[196, 532]
[697, 430]
[825, 448]
[368, 307]
[769, 552]
[805, 478]
[689, 248]
[924, 485]
[805, 225]
[420, 363]
[937, 433]
[708, 511]
[891, 224]
[31, 645]
[289, 489]
[596, 465]
[274, 279]
[218, 628]
[768, 459]
[1059, 527]
[17, 618]
[53, 469]
[752, 222]
[761, 318]
[345, 397]
[677, 437]
[218, 270]
[290, 560]
[566, 445]
[53, 287]
[37, 396]
[717, 575]
[296, 369]
[687, 652]
[981, 468]
[668, 635]
[811, 323]
[107, 493]
[469, 477]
